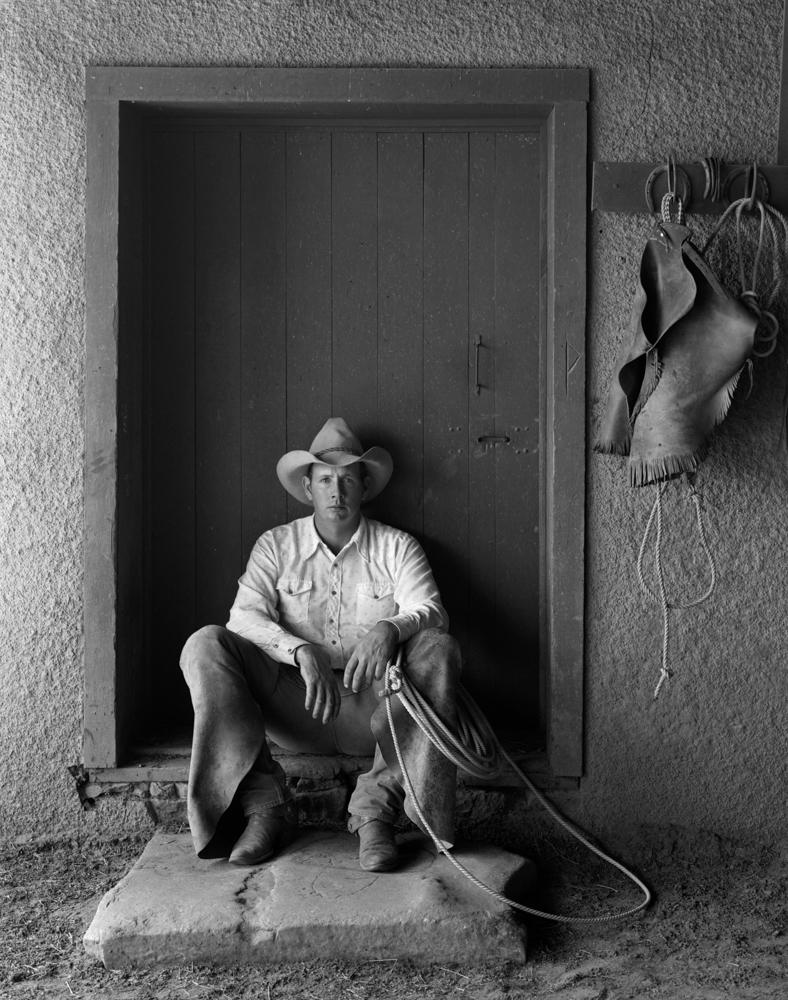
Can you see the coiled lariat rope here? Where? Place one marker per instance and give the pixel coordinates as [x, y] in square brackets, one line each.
[772, 235]
[475, 749]
[661, 596]
[753, 292]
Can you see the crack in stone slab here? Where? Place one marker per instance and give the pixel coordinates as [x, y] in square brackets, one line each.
[308, 902]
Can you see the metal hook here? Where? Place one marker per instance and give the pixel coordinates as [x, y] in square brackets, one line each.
[679, 184]
[671, 172]
[753, 186]
[753, 180]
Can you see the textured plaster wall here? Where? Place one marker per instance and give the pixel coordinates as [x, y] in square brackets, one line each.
[697, 76]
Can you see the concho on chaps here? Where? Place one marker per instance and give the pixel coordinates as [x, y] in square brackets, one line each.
[675, 380]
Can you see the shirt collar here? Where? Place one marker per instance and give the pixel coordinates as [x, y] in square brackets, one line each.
[360, 537]
[312, 541]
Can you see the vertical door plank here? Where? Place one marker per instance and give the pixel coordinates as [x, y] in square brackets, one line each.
[170, 409]
[400, 325]
[354, 281]
[220, 557]
[446, 361]
[263, 331]
[482, 417]
[518, 269]
[309, 368]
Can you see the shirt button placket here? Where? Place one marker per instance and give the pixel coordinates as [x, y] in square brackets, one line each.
[332, 625]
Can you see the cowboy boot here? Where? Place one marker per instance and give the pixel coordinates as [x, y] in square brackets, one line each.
[267, 831]
[377, 849]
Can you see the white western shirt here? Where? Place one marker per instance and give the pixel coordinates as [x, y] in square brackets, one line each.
[296, 591]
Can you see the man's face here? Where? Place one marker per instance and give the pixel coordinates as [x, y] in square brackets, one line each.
[336, 492]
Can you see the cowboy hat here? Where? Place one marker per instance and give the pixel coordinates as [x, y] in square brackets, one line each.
[335, 444]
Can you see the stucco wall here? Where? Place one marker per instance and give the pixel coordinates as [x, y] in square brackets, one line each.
[699, 77]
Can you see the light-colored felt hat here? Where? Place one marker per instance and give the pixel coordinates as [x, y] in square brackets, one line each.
[335, 444]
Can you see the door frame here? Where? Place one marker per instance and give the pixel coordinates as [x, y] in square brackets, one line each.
[118, 98]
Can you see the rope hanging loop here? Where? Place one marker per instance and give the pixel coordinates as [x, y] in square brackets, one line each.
[476, 749]
[757, 293]
[669, 202]
[755, 185]
[655, 519]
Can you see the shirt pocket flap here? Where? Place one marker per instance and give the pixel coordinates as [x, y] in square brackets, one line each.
[294, 599]
[373, 602]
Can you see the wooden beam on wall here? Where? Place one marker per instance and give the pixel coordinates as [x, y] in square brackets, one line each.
[621, 187]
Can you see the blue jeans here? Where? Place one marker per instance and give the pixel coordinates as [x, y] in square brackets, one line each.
[240, 696]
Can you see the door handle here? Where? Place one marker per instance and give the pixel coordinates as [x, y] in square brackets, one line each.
[477, 346]
[493, 439]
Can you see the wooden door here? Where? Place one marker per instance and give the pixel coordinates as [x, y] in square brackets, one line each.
[390, 275]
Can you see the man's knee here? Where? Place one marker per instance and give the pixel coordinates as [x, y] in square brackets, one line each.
[217, 659]
[203, 644]
[433, 649]
[434, 640]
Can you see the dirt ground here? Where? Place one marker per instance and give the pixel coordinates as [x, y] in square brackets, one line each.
[716, 931]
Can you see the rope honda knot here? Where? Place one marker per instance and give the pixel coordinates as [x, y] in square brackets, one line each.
[393, 682]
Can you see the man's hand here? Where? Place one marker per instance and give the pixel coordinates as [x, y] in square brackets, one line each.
[323, 697]
[369, 659]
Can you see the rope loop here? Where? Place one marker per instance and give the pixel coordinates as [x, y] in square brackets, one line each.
[753, 180]
[670, 200]
[661, 596]
[475, 748]
[756, 292]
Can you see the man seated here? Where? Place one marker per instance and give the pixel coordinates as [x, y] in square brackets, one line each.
[320, 610]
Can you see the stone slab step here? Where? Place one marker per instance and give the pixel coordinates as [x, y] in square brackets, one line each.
[310, 902]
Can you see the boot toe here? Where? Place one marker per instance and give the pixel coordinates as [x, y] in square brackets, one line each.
[377, 851]
[265, 834]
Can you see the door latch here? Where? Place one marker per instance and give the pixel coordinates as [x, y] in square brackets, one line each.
[493, 439]
[478, 345]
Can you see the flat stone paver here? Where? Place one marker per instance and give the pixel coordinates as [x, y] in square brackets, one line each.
[312, 901]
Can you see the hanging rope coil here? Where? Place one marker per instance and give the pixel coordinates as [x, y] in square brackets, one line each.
[772, 238]
[758, 294]
[474, 748]
[661, 597]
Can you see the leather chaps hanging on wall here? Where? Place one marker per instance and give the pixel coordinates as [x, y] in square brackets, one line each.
[674, 383]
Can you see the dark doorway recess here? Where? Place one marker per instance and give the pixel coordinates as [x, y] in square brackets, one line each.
[417, 268]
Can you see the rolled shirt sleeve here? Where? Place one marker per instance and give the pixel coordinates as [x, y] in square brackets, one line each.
[415, 592]
[255, 611]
